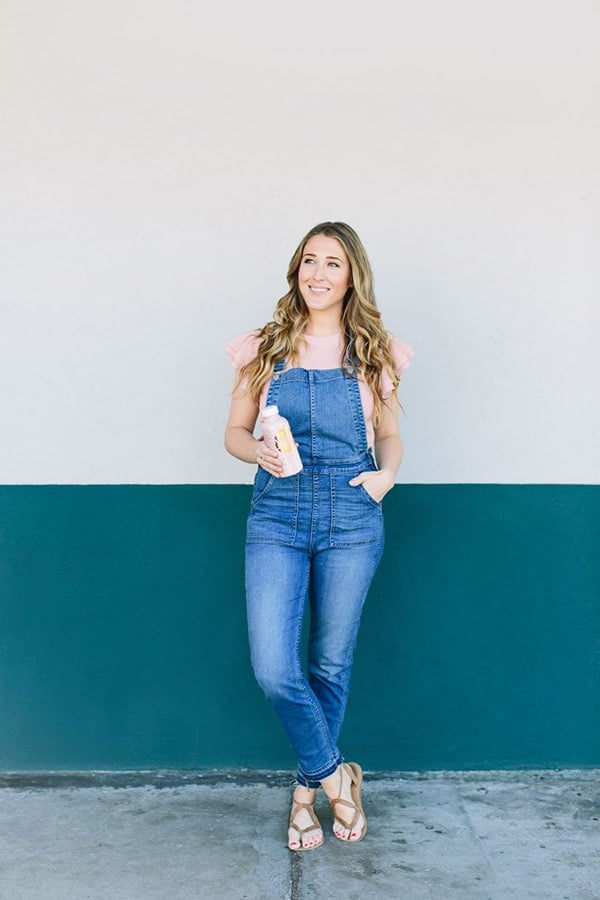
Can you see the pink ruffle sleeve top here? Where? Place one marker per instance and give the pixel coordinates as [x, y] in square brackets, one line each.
[323, 353]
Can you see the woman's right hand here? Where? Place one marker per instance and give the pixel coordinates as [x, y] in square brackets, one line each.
[268, 459]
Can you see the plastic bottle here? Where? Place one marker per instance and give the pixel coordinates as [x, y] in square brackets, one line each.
[278, 436]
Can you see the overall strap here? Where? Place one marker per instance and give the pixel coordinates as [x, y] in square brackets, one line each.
[358, 415]
[273, 392]
[351, 370]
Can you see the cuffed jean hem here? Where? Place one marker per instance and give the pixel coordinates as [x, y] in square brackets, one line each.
[313, 781]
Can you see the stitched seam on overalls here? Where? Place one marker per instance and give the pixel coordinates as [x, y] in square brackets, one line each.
[359, 420]
[323, 727]
[313, 411]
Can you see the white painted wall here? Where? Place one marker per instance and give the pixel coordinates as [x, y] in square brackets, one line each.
[161, 162]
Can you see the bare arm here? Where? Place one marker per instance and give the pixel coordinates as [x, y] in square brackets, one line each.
[388, 453]
[239, 434]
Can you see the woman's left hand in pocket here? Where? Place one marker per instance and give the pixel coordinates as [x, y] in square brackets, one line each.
[376, 483]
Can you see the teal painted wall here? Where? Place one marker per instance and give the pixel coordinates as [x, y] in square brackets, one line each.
[123, 646]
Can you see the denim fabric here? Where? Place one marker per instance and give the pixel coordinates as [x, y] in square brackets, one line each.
[312, 538]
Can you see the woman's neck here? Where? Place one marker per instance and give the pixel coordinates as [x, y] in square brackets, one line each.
[323, 326]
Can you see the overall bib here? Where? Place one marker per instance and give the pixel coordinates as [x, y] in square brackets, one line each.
[312, 537]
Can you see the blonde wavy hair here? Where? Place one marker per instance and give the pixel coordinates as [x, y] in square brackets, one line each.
[367, 345]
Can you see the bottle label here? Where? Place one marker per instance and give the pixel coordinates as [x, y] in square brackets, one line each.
[283, 440]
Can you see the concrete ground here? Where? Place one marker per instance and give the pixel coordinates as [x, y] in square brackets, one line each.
[174, 836]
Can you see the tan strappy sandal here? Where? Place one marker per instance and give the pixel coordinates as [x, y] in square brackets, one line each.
[356, 777]
[310, 807]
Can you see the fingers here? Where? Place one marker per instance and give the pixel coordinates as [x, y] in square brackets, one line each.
[269, 461]
[372, 483]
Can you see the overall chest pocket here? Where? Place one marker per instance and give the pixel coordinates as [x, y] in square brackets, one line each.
[356, 518]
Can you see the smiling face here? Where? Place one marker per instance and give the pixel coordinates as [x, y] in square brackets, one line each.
[324, 275]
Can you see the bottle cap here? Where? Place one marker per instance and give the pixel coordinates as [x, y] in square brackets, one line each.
[272, 410]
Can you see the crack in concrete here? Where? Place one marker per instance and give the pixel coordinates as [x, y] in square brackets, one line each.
[295, 875]
[487, 865]
[155, 778]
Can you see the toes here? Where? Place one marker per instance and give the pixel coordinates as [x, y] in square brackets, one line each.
[312, 839]
[357, 830]
[307, 841]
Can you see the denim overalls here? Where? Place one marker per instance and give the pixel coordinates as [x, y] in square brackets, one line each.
[312, 536]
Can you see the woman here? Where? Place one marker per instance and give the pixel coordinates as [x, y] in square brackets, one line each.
[332, 370]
